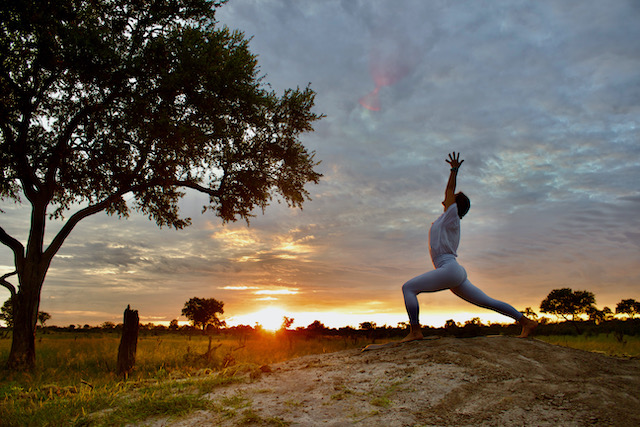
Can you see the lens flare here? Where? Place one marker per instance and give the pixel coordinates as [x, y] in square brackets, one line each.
[371, 101]
[389, 62]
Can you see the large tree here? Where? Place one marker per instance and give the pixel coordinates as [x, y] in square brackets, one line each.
[120, 105]
[204, 312]
[630, 307]
[565, 302]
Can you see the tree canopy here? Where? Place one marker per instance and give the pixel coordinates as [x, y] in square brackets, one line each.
[629, 307]
[566, 302]
[119, 106]
[6, 314]
[43, 317]
[106, 98]
[203, 312]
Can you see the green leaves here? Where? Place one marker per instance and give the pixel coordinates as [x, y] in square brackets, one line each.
[104, 98]
[114, 105]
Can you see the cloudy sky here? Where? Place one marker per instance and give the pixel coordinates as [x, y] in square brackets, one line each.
[541, 98]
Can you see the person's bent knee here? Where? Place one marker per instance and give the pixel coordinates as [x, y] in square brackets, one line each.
[407, 288]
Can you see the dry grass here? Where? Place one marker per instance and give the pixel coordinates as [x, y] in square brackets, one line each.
[75, 375]
[609, 344]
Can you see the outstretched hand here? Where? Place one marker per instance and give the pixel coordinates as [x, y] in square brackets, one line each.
[454, 160]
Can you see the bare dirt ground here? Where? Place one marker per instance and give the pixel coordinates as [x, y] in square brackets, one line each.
[484, 381]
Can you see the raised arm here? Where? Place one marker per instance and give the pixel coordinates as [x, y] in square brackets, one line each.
[450, 191]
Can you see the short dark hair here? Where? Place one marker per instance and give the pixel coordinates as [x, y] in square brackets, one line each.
[463, 203]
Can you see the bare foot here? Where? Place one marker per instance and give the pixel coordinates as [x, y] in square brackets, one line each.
[528, 326]
[413, 336]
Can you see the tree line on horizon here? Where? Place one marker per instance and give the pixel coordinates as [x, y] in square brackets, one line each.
[573, 307]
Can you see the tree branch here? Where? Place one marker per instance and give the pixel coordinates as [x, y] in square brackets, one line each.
[57, 155]
[3, 282]
[6, 132]
[66, 229]
[64, 232]
[31, 184]
[197, 187]
[14, 245]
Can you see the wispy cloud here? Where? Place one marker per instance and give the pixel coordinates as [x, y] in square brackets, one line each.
[540, 97]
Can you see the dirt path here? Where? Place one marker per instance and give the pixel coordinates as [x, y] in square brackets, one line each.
[492, 381]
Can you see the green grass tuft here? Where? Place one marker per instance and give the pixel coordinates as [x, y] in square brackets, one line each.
[75, 383]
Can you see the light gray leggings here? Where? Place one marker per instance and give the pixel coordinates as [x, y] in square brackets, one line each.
[450, 275]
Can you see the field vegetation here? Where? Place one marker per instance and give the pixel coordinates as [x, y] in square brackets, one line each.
[75, 376]
[75, 380]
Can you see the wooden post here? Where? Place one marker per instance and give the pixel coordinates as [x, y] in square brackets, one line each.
[128, 342]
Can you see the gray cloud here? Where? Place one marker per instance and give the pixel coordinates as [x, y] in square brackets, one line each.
[540, 97]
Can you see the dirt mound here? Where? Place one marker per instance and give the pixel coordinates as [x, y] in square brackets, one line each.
[491, 381]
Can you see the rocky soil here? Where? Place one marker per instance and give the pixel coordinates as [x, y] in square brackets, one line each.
[483, 381]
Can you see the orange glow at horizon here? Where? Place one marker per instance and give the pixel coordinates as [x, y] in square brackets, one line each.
[276, 292]
[265, 296]
[271, 318]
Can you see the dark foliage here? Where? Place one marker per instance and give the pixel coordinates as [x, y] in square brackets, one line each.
[203, 312]
[117, 106]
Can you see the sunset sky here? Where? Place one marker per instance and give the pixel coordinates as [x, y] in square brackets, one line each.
[541, 98]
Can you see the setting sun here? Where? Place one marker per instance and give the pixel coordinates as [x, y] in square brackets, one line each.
[270, 318]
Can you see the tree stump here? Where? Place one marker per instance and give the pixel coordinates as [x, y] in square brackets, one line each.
[128, 342]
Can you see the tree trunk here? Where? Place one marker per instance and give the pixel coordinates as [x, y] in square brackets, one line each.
[128, 342]
[22, 355]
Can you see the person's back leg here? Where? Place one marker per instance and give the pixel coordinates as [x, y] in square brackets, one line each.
[468, 292]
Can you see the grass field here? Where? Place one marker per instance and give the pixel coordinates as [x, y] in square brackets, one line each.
[626, 346]
[75, 377]
[71, 357]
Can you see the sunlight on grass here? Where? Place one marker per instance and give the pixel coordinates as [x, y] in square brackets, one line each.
[609, 344]
[75, 380]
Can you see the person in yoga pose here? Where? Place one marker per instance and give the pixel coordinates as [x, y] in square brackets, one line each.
[444, 238]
